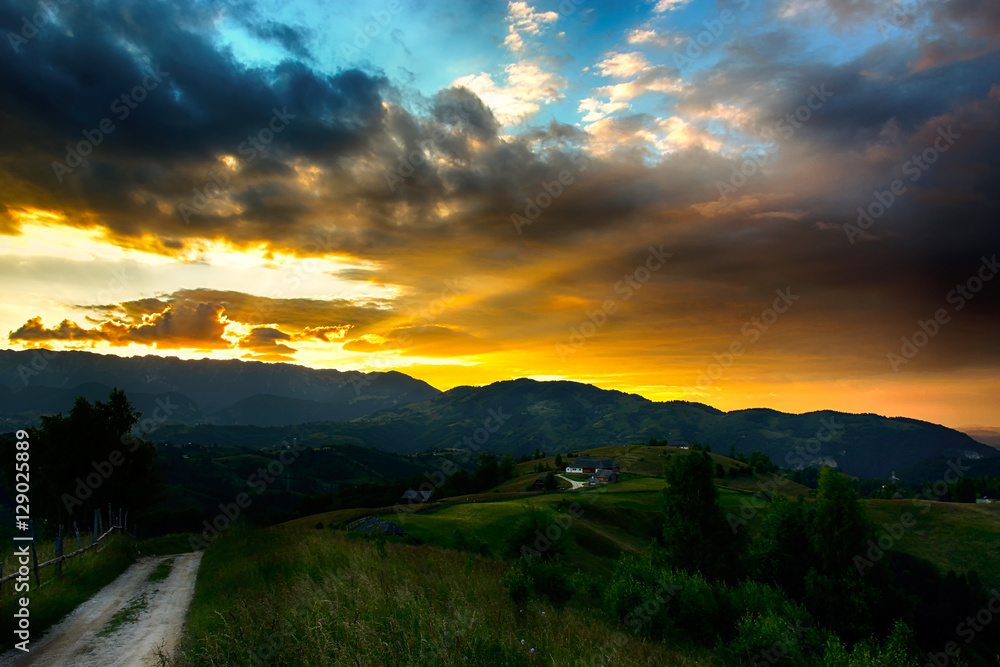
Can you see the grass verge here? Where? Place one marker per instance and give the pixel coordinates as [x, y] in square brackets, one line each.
[326, 597]
[82, 577]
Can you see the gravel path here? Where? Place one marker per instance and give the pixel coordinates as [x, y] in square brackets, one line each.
[159, 628]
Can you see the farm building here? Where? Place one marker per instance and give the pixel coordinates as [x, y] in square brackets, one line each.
[418, 495]
[588, 466]
[604, 476]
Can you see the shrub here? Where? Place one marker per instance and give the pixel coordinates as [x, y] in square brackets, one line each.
[517, 584]
[548, 578]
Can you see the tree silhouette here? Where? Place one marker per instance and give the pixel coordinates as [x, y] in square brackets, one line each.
[88, 458]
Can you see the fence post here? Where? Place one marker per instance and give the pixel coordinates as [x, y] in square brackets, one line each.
[59, 550]
[93, 536]
[77, 531]
[1, 577]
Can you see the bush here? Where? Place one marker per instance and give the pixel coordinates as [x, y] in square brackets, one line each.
[590, 589]
[517, 584]
[896, 651]
[533, 576]
[548, 578]
[660, 602]
[766, 638]
[463, 542]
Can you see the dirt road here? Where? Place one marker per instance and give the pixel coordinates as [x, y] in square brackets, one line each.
[75, 640]
[576, 485]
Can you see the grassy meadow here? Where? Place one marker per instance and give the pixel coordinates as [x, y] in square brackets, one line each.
[319, 597]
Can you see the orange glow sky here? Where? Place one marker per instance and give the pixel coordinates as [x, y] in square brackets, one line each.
[409, 213]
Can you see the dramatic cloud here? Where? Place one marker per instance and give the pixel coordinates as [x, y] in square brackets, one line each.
[475, 191]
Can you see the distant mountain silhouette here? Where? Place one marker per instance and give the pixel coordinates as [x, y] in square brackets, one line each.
[260, 405]
[568, 416]
[205, 390]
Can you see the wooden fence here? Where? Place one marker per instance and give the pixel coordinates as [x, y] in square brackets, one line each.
[60, 558]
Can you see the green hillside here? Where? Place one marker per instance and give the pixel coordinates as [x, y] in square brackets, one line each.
[520, 416]
[446, 593]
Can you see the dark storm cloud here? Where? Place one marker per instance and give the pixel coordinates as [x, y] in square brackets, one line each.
[459, 182]
[203, 103]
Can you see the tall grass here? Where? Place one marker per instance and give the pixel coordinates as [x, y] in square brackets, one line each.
[81, 578]
[322, 597]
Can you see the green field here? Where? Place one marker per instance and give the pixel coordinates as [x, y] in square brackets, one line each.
[321, 597]
[953, 536]
[314, 594]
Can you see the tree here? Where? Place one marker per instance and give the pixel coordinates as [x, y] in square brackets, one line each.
[839, 526]
[88, 458]
[965, 491]
[488, 474]
[539, 535]
[559, 462]
[695, 534]
[781, 553]
[507, 467]
[760, 463]
[550, 482]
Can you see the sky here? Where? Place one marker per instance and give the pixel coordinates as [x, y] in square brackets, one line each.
[788, 204]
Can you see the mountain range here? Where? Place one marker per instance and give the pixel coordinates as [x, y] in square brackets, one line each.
[231, 392]
[260, 405]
